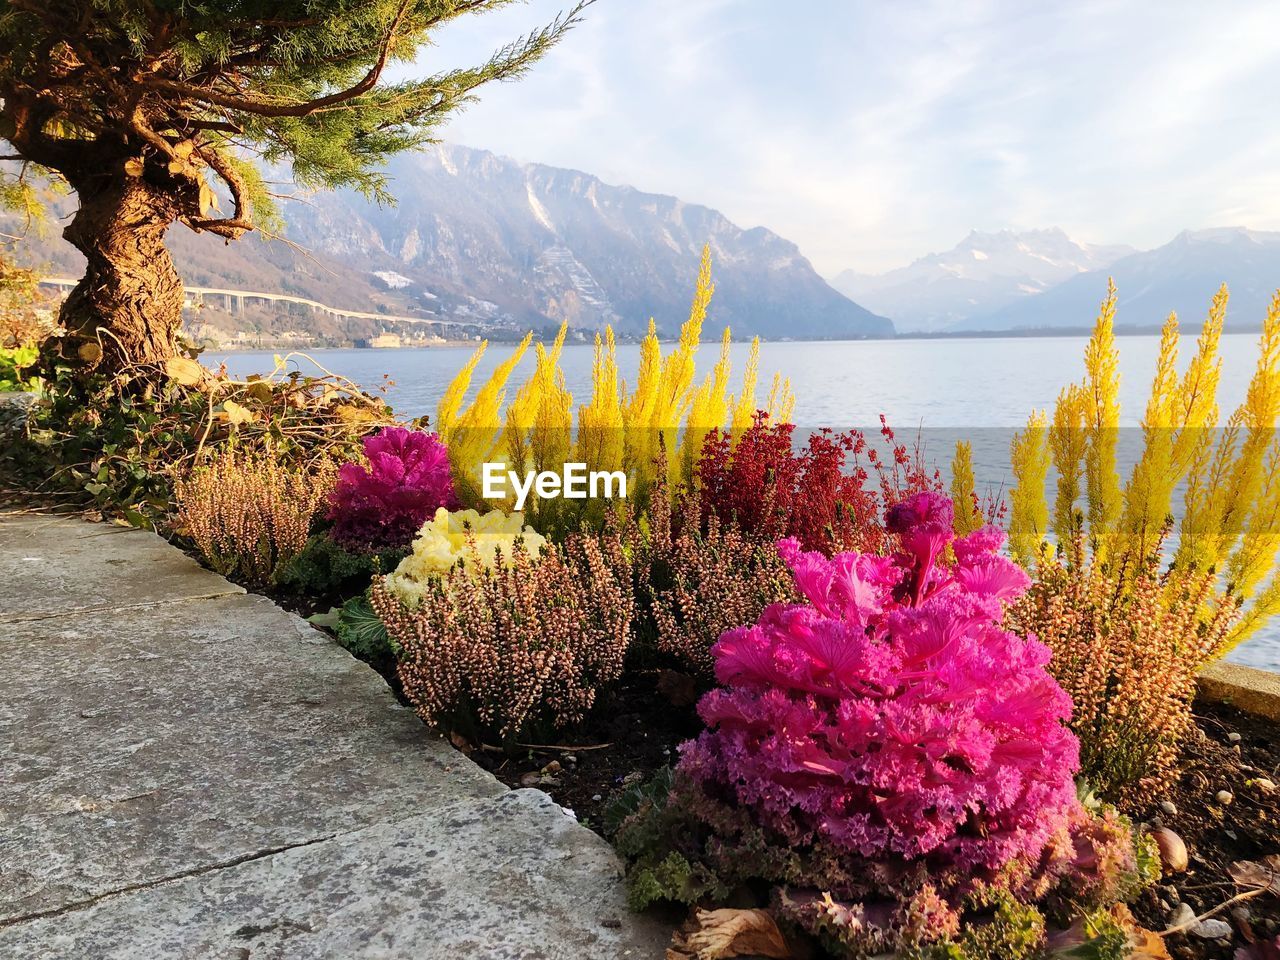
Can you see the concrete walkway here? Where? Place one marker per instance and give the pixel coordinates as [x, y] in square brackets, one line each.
[189, 771]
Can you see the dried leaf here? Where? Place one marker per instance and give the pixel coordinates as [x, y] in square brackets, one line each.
[260, 390]
[186, 371]
[237, 414]
[90, 352]
[729, 933]
[1258, 875]
[350, 413]
[208, 199]
[1145, 944]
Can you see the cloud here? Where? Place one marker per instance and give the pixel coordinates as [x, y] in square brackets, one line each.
[871, 134]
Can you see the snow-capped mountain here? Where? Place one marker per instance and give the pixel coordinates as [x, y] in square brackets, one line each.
[983, 273]
[474, 236]
[535, 244]
[1180, 276]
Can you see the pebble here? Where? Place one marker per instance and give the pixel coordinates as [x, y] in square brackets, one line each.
[1168, 808]
[552, 767]
[1212, 929]
[570, 758]
[1225, 797]
[1263, 784]
[530, 779]
[1242, 913]
[1182, 914]
[1234, 737]
[596, 797]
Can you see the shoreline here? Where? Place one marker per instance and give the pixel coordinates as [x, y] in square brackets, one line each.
[1057, 334]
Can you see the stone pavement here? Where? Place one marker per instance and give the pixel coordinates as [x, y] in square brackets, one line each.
[188, 771]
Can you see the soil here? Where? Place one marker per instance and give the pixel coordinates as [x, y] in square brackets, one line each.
[636, 731]
[1218, 834]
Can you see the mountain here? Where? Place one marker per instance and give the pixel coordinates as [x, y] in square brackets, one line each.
[479, 237]
[1182, 275]
[983, 273]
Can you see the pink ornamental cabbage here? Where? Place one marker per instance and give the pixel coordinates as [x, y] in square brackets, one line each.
[891, 715]
[384, 505]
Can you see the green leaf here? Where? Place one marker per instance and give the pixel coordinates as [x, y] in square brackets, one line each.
[360, 630]
[327, 620]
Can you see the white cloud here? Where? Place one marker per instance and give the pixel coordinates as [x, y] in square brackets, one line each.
[873, 133]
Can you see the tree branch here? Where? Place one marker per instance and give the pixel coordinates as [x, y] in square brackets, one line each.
[230, 228]
[267, 108]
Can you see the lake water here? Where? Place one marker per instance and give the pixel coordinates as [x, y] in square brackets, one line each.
[937, 390]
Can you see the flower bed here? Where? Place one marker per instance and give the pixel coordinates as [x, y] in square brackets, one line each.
[814, 701]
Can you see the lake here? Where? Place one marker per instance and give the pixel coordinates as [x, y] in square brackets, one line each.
[937, 390]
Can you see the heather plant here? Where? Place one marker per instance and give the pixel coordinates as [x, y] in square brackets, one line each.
[250, 514]
[697, 583]
[1128, 641]
[382, 503]
[498, 650]
[759, 483]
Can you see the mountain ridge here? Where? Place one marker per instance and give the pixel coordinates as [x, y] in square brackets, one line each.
[1180, 276]
[483, 238]
[984, 272]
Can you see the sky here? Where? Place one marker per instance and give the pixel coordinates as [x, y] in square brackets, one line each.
[873, 133]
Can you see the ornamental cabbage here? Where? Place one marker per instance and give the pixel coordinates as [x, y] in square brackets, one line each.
[891, 717]
[382, 505]
[462, 537]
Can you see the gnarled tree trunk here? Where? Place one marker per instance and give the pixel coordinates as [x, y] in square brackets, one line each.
[127, 309]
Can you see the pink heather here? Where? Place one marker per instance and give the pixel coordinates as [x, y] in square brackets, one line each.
[892, 714]
[385, 504]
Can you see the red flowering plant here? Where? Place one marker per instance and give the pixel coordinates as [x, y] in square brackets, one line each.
[818, 494]
[883, 747]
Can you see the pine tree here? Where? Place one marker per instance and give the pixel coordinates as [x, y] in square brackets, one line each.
[150, 109]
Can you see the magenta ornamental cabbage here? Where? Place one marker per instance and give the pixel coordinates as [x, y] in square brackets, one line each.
[384, 505]
[891, 715]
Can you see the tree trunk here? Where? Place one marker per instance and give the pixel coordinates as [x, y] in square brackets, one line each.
[127, 309]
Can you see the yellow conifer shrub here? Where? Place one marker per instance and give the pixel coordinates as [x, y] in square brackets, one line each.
[964, 495]
[622, 427]
[1130, 627]
[1028, 512]
[1229, 475]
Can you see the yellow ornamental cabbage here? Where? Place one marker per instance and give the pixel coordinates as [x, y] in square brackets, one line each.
[463, 536]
